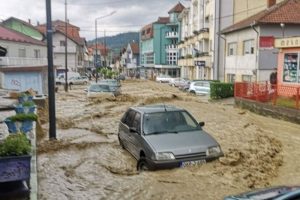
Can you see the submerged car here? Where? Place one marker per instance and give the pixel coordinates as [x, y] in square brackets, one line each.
[176, 82]
[112, 83]
[274, 193]
[100, 90]
[164, 79]
[161, 136]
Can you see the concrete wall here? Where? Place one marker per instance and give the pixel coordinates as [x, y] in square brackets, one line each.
[224, 18]
[240, 64]
[287, 114]
[246, 8]
[13, 49]
[59, 57]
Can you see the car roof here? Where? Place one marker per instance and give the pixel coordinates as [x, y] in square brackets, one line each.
[155, 108]
[265, 194]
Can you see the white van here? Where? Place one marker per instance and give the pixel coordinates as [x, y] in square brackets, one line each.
[60, 79]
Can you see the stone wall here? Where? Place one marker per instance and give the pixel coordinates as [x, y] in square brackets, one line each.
[292, 115]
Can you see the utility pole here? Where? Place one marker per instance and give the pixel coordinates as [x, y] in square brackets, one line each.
[51, 92]
[96, 47]
[66, 48]
[105, 49]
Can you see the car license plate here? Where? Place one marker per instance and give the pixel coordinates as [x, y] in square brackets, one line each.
[192, 163]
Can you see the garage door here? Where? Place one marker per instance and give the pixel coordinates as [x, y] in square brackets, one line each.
[23, 81]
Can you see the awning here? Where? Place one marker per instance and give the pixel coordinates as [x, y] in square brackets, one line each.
[3, 51]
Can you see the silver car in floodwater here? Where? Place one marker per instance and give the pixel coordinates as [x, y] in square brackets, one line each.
[161, 136]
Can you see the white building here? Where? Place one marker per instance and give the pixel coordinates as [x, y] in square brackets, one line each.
[24, 65]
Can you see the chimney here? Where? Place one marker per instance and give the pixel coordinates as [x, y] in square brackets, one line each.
[270, 3]
[29, 21]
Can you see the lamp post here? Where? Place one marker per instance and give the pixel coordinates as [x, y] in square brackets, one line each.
[96, 40]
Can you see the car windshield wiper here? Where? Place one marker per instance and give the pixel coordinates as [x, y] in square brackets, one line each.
[161, 132]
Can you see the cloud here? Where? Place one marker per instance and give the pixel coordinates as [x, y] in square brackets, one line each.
[130, 15]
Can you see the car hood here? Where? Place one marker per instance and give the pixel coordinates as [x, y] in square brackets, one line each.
[181, 143]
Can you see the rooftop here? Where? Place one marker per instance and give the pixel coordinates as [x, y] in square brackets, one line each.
[154, 108]
[285, 12]
[178, 8]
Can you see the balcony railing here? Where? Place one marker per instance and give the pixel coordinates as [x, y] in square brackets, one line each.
[171, 47]
[24, 62]
[172, 34]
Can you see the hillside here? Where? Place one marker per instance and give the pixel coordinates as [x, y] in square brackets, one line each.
[119, 41]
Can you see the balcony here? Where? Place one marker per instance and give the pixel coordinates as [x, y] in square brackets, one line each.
[61, 49]
[172, 34]
[187, 61]
[171, 47]
[22, 62]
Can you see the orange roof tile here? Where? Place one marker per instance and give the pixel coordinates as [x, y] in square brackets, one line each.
[178, 8]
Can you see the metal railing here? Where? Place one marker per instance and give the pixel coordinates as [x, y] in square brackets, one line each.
[20, 61]
[281, 95]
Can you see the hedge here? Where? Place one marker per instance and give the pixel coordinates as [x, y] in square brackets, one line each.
[221, 90]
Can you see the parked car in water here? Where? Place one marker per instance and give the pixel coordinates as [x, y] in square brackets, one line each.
[164, 78]
[81, 80]
[113, 83]
[101, 90]
[274, 193]
[176, 82]
[200, 87]
[161, 136]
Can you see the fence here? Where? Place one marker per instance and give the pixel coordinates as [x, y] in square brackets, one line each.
[281, 95]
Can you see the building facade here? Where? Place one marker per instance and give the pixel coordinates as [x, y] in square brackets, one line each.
[158, 45]
[131, 59]
[250, 51]
[24, 65]
[76, 47]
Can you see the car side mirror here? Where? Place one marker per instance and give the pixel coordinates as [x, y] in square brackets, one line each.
[201, 124]
[132, 130]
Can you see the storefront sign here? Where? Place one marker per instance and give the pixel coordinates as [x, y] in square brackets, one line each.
[200, 63]
[266, 42]
[287, 42]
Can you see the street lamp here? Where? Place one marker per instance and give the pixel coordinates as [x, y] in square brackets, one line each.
[282, 25]
[96, 40]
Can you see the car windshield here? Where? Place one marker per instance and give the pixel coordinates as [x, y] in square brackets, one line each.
[110, 82]
[169, 122]
[99, 88]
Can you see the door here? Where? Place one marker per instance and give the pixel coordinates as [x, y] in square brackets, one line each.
[23, 81]
[135, 136]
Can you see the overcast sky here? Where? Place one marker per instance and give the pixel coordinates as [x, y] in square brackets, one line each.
[130, 15]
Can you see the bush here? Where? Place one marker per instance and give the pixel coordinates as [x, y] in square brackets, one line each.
[15, 145]
[221, 90]
[28, 104]
[23, 117]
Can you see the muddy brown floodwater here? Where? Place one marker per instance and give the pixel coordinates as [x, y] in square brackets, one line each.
[87, 162]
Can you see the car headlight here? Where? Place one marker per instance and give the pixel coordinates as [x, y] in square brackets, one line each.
[213, 151]
[164, 156]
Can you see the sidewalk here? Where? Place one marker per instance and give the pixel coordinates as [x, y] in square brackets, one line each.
[17, 190]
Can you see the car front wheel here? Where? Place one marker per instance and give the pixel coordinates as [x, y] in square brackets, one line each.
[142, 165]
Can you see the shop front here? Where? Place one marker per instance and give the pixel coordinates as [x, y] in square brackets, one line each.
[288, 65]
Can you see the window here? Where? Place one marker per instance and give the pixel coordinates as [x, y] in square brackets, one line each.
[231, 78]
[246, 78]
[232, 49]
[22, 52]
[291, 68]
[248, 47]
[62, 43]
[137, 122]
[37, 53]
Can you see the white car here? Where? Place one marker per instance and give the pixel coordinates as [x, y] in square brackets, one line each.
[80, 80]
[176, 82]
[200, 87]
[101, 90]
[164, 79]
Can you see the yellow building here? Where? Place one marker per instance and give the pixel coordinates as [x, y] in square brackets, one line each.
[246, 8]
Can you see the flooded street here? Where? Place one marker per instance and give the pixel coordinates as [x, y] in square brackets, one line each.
[87, 162]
